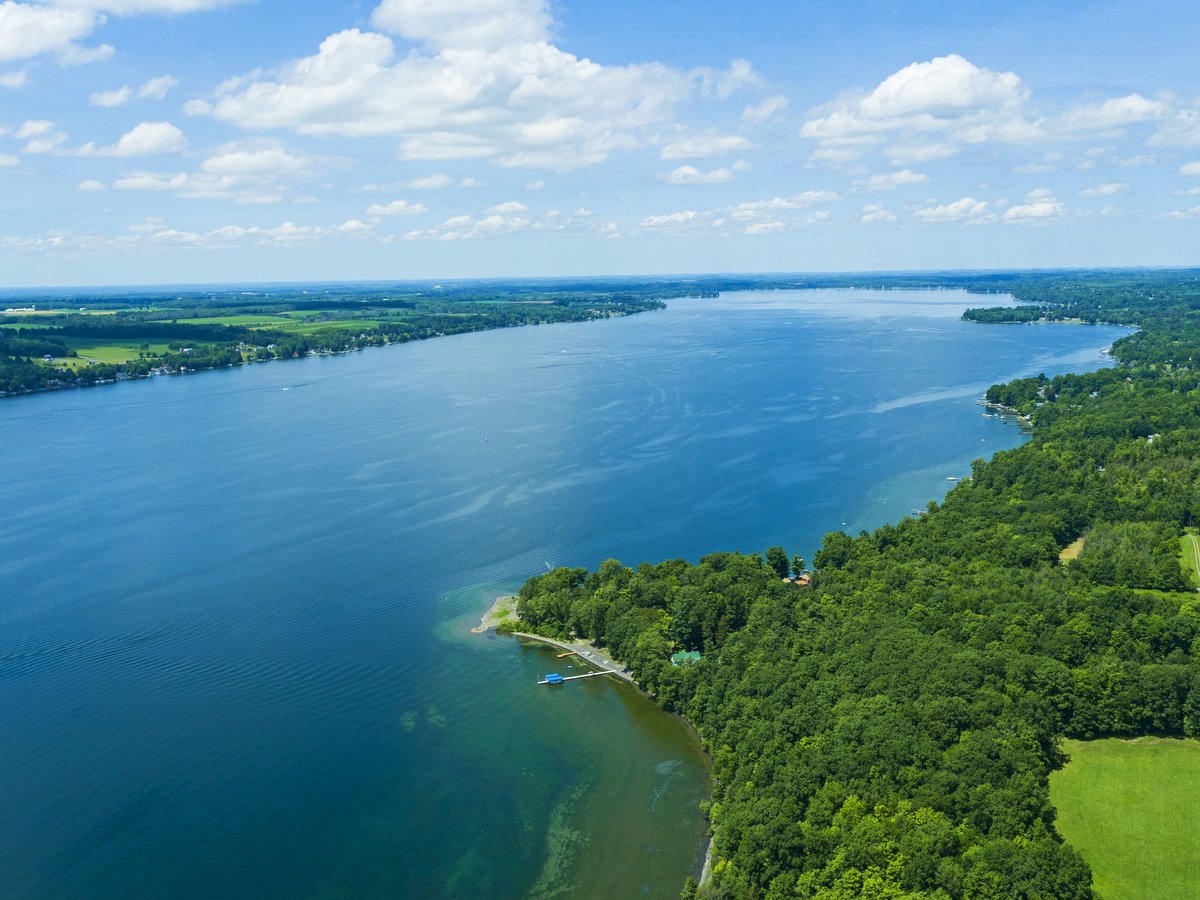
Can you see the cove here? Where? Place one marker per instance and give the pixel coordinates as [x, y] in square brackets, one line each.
[235, 657]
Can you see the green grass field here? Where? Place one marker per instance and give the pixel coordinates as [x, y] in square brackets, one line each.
[1132, 809]
[264, 320]
[1190, 558]
[114, 350]
[355, 325]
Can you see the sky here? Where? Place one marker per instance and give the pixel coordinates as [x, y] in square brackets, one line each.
[185, 141]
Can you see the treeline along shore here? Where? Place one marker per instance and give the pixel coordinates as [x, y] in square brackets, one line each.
[888, 729]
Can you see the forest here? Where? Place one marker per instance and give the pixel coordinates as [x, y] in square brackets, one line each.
[887, 729]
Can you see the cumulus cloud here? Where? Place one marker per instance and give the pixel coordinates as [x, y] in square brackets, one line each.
[157, 88]
[1192, 168]
[874, 212]
[429, 182]
[1113, 114]
[485, 82]
[947, 97]
[755, 208]
[28, 29]
[757, 113]
[764, 227]
[964, 210]
[1105, 189]
[91, 186]
[14, 80]
[890, 181]
[692, 175]
[509, 206]
[110, 99]
[269, 160]
[8, 160]
[147, 139]
[40, 136]
[1040, 206]
[464, 24]
[703, 145]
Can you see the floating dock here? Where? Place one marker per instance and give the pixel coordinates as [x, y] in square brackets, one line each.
[555, 678]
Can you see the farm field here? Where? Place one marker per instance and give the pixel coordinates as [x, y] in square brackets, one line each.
[1132, 809]
[112, 350]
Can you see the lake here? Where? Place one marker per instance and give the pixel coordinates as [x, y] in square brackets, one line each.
[235, 656]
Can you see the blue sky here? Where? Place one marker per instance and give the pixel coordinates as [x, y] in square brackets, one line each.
[158, 141]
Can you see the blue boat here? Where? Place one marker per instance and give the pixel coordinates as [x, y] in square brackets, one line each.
[554, 679]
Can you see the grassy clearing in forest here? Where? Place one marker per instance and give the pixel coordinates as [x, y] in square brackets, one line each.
[1132, 809]
[1071, 551]
[1190, 559]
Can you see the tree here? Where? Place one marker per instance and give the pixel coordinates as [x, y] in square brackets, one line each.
[777, 559]
[797, 565]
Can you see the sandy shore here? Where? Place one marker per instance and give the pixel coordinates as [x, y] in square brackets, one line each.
[502, 609]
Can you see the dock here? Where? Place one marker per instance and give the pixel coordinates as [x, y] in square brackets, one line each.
[559, 679]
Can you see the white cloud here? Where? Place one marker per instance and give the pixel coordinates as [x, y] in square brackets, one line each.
[147, 139]
[14, 80]
[889, 181]
[1105, 189]
[40, 136]
[157, 88]
[486, 83]
[874, 212]
[396, 208]
[692, 175]
[110, 99]
[535, 185]
[510, 206]
[935, 107]
[667, 220]
[8, 160]
[1113, 114]
[1039, 206]
[1192, 168]
[163, 7]
[91, 186]
[75, 55]
[467, 227]
[429, 182]
[900, 155]
[471, 183]
[150, 181]
[758, 113]
[464, 24]
[966, 209]
[764, 228]
[756, 208]
[28, 30]
[264, 161]
[32, 128]
[704, 145]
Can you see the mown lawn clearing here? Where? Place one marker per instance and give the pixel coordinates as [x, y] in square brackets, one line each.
[1132, 809]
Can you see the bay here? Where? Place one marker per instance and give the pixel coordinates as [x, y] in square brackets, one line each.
[234, 607]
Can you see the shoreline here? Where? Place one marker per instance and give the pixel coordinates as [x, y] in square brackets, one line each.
[594, 656]
[503, 608]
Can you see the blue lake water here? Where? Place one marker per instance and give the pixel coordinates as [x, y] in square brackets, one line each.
[234, 606]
